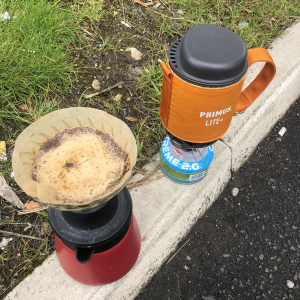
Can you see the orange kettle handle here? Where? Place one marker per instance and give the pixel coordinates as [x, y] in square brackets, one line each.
[259, 84]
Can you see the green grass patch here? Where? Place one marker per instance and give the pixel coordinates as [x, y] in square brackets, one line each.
[35, 55]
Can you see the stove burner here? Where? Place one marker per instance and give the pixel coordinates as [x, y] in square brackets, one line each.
[187, 146]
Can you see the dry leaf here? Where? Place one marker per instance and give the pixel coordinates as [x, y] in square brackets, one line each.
[128, 99]
[135, 53]
[118, 97]
[132, 119]
[7, 193]
[26, 108]
[32, 205]
[16, 274]
[2, 150]
[247, 10]
[186, 267]
[143, 3]
[108, 68]
[18, 254]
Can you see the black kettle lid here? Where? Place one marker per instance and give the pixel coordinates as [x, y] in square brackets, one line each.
[209, 55]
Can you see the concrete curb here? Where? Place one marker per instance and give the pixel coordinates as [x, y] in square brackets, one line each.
[165, 211]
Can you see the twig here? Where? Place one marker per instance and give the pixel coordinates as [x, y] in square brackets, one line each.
[28, 211]
[130, 185]
[79, 36]
[177, 251]
[50, 58]
[104, 91]
[147, 176]
[119, 52]
[20, 235]
[143, 3]
[87, 32]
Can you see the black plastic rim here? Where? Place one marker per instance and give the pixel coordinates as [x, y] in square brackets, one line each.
[184, 145]
[101, 229]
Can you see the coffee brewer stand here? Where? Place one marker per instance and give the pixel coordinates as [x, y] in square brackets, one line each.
[202, 89]
[98, 242]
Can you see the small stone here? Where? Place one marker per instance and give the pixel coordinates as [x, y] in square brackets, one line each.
[275, 268]
[296, 276]
[188, 258]
[274, 187]
[234, 192]
[135, 53]
[226, 255]
[96, 84]
[267, 270]
[290, 284]
[118, 97]
[294, 227]
[261, 257]
[293, 248]
[222, 270]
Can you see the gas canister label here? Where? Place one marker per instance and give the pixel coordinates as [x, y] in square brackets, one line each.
[212, 116]
[184, 160]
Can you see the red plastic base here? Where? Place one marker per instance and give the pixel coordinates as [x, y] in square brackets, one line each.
[104, 267]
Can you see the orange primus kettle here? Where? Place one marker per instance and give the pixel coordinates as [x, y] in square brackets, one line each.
[203, 80]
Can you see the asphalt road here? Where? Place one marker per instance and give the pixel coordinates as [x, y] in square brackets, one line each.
[246, 246]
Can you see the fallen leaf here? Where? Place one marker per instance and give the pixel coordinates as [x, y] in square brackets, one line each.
[128, 99]
[16, 274]
[96, 84]
[2, 150]
[7, 193]
[118, 97]
[135, 53]
[32, 205]
[108, 68]
[26, 108]
[186, 267]
[45, 228]
[247, 10]
[143, 3]
[23, 107]
[18, 254]
[132, 119]
[24, 268]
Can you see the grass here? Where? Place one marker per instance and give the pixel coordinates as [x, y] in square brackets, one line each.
[51, 52]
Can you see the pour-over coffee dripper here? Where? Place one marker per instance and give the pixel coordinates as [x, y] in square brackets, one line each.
[34, 135]
[98, 241]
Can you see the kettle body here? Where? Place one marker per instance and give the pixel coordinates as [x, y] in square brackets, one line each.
[203, 80]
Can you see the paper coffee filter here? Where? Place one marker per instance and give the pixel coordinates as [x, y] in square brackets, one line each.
[45, 127]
